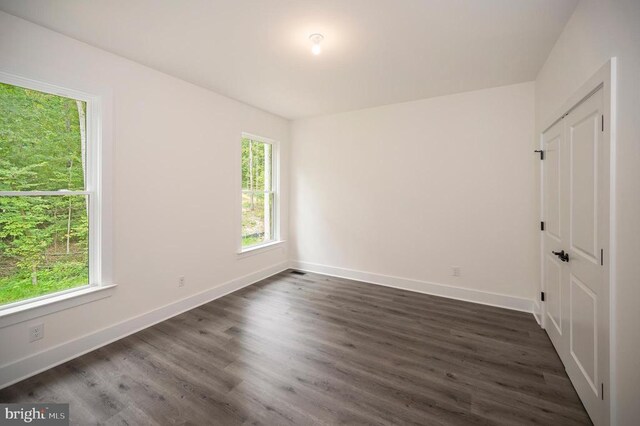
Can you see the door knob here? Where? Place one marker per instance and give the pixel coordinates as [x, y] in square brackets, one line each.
[562, 255]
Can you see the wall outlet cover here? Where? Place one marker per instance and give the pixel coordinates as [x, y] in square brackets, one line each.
[36, 332]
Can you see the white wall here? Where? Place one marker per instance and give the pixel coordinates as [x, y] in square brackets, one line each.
[175, 187]
[597, 31]
[411, 189]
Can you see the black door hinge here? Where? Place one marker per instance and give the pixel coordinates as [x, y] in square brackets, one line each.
[541, 153]
[603, 123]
[542, 226]
[542, 296]
[602, 390]
[601, 257]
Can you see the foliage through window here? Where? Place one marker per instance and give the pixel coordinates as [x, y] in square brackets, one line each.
[44, 201]
[258, 192]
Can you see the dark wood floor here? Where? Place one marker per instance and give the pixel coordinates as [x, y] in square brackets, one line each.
[320, 350]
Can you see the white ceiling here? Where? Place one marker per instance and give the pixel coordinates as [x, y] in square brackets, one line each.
[375, 52]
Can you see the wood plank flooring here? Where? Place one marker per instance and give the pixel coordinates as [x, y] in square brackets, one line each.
[314, 349]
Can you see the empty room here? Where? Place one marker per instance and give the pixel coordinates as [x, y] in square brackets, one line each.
[305, 212]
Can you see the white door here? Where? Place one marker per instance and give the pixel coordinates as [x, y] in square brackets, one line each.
[555, 234]
[576, 236]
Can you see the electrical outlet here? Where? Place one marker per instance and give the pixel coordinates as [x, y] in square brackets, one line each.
[36, 332]
[181, 282]
[455, 271]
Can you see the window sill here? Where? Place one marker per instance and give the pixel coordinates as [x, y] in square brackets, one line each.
[250, 251]
[38, 308]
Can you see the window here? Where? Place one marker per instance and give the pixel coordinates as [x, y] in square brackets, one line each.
[49, 233]
[259, 192]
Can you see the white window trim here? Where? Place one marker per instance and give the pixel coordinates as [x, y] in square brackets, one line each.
[275, 241]
[97, 288]
[41, 306]
[260, 248]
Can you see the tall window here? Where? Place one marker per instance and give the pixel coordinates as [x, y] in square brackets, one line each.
[47, 193]
[259, 192]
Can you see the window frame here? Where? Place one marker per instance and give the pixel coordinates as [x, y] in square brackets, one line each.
[92, 190]
[275, 190]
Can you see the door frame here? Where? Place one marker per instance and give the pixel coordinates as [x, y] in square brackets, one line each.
[604, 78]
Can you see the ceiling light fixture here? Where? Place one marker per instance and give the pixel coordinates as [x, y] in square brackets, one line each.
[316, 39]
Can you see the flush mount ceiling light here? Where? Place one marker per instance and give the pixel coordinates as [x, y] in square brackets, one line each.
[316, 39]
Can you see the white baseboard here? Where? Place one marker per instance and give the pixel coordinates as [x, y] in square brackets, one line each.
[444, 290]
[33, 364]
[537, 312]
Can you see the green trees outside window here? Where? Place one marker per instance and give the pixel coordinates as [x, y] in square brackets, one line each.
[44, 239]
[258, 195]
